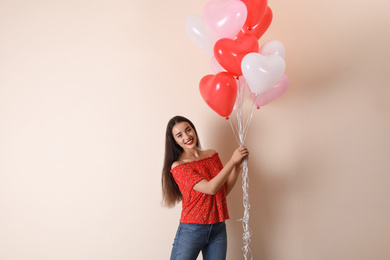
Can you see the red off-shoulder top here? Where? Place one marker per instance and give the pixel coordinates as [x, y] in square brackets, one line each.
[198, 207]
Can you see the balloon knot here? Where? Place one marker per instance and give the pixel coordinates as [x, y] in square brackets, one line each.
[258, 107]
[227, 118]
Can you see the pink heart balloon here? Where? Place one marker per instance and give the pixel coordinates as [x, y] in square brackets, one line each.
[273, 93]
[225, 20]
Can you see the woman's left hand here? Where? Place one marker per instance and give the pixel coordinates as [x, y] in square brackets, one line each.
[239, 154]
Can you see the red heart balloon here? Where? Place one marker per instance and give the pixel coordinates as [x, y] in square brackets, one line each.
[229, 53]
[256, 9]
[259, 28]
[219, 92]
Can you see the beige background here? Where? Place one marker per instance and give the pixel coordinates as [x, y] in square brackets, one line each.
[86, 90]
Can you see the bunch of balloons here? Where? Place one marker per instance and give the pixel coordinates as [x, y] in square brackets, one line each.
[229, 32]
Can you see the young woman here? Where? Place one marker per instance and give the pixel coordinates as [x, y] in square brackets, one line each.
[198, 179]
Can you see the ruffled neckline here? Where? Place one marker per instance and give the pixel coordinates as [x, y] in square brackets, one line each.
[196, 161]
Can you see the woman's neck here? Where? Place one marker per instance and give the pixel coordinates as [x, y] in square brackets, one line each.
[195, 153]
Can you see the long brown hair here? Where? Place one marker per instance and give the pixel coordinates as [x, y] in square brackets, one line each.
[170, 189]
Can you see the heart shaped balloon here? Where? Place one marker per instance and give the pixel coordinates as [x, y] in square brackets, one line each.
[262, 72]
[225, 20]
[200, 33]
[273, 93]
[256, 9]
[273, 47]
[259, 28]
[219, 92]
[229, 53]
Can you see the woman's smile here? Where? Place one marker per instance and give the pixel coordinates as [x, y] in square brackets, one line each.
[189, 142]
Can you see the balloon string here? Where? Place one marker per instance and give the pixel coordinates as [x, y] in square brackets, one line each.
[248, 121]
[245, 219]
[234, 132]
[240, 125]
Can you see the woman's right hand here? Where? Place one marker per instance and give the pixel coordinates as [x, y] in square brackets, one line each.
[239, 154]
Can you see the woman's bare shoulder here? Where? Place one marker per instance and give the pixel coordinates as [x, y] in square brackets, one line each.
[209, 152]
[176, 164]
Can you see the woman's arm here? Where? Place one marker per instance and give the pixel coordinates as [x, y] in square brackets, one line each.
[232, 179]
[212, 186]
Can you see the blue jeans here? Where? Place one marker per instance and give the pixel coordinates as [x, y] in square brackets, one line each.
[190, 239]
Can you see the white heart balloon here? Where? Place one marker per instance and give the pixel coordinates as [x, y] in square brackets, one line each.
[273, 47]
[262, 72]
[200, 33]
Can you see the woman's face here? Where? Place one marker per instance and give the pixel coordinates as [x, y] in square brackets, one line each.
[184, 135]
